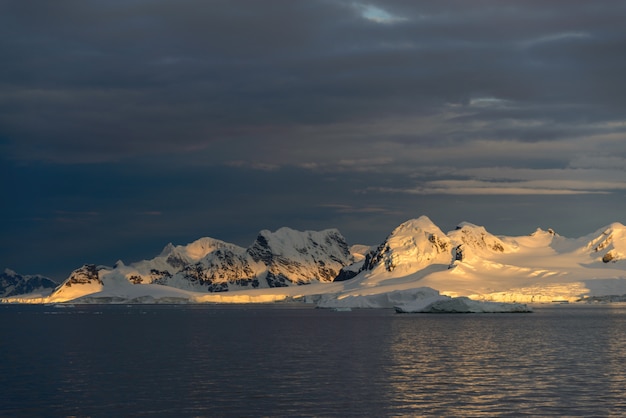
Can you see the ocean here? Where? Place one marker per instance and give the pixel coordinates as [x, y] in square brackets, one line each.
[293, 360]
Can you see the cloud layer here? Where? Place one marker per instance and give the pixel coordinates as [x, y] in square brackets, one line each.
[370, 105]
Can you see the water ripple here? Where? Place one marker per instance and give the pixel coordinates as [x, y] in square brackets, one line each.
[229, 361]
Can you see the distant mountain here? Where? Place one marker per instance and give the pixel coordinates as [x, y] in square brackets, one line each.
[275, 259]
[608, 242]
[412, 246]
[468, 261]
[13, 284]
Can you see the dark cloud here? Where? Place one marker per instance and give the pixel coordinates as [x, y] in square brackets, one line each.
[139, 119]
[125, 77]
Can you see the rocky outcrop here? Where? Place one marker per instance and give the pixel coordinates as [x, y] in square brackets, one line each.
[87, 274]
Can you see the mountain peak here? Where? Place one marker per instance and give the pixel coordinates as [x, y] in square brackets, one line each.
[413, 245]
[609, 242]
[300, 256]
[12, 284]
[422, 223]
[9, 272]
[542, 266]
[469, 236]
[167, 250]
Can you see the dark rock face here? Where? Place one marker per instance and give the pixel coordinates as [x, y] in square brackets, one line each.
[276, 280]
[175, 260]
[13, 284]
[260, 250]
[345, 274]
[608, 257]
[160, 276]
[373, 258]
[457, 254]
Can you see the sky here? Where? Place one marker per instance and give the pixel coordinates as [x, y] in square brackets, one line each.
[125, 125]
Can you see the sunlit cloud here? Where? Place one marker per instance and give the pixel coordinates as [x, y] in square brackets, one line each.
[597, 161]
[419, 99]
[481, 188]
[488, 102]
[534, 187]
[555, 37]
[377, 14]
[513, 181]
[357, 165]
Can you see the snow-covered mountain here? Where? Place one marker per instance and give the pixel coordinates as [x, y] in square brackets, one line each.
[466, 262]
[204, 265]
[84, 280]
[469, 261]
[300, 257]
[276, 259]
[13, 284]
[412, 246]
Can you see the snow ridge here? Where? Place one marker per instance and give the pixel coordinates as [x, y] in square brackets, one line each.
[413, 245]
[467, 262]
[276, 259]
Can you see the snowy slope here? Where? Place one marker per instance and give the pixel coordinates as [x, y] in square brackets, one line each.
[470, 261]
[416, 258]
[84, 280]
[541, 267]
[412, 246]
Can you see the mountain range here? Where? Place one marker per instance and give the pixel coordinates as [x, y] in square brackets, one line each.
[320, 267]
[14, 284]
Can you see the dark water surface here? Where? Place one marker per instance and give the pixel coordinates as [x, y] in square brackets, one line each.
[206, 360]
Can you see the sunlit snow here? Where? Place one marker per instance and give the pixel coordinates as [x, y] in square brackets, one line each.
[418, 268]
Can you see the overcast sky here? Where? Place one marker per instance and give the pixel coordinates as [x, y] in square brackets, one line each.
[125, 125]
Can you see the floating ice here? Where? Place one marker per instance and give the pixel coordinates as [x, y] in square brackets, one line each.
[462, 305]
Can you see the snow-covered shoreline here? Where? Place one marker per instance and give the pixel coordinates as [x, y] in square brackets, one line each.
[466, 266]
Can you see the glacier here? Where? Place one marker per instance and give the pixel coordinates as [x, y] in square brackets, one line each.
[417, 268]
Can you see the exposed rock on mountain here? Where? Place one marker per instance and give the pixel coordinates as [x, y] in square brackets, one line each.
[469, 240]
[412, 246]
[85, 279]
[609, 243]
[468, 261]
[87, 274]
[300, 257]
[276, 259]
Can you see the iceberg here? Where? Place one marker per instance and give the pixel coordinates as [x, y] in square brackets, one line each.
[417, 300]
[461, 304]
[423, 295]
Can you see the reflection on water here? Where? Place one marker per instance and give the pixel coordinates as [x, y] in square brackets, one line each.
[555, 363]
[288, 361]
